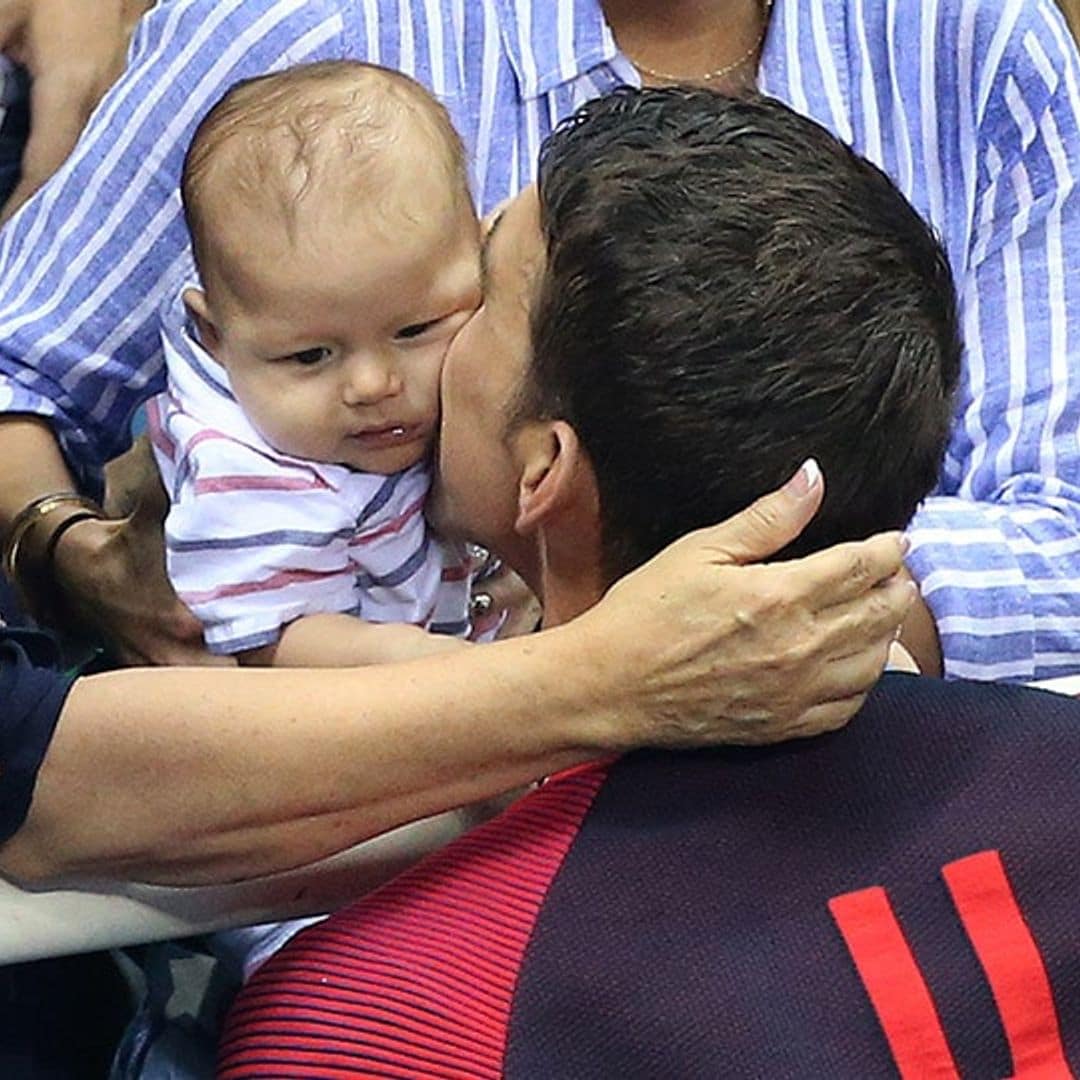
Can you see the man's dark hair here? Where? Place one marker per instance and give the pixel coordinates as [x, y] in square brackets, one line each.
[729, 290]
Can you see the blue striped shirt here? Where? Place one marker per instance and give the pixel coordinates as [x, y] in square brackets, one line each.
[971, 105]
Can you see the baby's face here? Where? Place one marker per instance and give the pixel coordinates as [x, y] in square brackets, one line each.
[334, 341]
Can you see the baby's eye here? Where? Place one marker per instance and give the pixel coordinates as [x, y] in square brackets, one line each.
[309, 357]
[415, 329]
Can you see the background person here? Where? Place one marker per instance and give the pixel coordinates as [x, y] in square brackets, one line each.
[73, 52]
[678, 914]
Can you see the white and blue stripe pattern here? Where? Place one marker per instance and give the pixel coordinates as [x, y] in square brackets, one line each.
[971, 105]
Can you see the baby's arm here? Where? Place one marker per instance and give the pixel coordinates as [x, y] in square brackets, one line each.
[338, 640]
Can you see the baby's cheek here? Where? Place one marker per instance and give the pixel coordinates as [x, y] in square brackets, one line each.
[286, 417]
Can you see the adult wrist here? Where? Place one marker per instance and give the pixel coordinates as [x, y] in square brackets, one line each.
[30, 546]
[593, 688]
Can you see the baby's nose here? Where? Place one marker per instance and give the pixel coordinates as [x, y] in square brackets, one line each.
[369, 380]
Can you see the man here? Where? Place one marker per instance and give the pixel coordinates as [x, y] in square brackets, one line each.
[706, 285]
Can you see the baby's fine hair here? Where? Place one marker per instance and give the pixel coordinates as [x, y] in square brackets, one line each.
[274, 139]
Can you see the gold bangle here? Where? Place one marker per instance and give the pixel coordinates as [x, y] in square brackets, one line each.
[30, 515]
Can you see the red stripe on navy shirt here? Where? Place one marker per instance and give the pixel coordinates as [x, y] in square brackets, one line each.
[894, 984]
[1014, 967]
[418, 978]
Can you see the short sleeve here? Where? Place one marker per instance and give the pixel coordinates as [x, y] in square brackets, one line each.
[253, 544]
[33, 690]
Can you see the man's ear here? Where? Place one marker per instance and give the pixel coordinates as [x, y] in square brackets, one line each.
[551, 459]
[199, 310]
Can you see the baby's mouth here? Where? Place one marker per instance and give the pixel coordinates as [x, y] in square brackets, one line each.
[388, 435]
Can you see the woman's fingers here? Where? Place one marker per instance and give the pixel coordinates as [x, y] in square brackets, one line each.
[770, 523]
[845, 572]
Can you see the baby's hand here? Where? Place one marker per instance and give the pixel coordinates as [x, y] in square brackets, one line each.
[503, 606]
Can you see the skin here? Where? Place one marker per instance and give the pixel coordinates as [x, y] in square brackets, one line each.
[474, 484]
[334, 341]
[687, 38]
[482, 377]
[1071, 9]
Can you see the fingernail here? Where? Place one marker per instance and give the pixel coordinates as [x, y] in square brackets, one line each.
[905, 544]
[805, 480]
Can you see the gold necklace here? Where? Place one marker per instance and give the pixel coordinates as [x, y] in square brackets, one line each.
[719, 72]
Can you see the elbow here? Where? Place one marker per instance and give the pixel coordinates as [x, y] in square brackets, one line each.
[41, 854]
[30, 863]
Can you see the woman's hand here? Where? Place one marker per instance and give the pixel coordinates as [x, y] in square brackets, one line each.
[703, 649]
[111, 573]
[74, 51]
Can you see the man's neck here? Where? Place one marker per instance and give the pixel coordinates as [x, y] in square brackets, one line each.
[568, 587]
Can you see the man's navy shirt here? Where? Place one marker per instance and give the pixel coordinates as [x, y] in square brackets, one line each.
[898, 898]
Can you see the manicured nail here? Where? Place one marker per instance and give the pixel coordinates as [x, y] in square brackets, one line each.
[805, 480]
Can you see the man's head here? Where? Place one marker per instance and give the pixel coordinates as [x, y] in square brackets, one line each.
[336, 244]
[710, 291]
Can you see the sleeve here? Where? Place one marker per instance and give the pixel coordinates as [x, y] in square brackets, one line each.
[32, 693]
[997, 550]
[460, 923]
[86, 263]
[252, 545]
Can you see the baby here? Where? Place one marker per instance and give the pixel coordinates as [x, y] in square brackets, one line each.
[337, 251]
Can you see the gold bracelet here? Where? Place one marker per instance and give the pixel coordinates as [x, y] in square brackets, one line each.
[29, 515]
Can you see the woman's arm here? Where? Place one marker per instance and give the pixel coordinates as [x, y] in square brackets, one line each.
[199, 775]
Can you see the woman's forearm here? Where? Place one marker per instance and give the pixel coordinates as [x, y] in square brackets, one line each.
[33, 465]
[202, 775]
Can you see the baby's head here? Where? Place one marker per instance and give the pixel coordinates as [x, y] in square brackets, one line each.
[337, 247]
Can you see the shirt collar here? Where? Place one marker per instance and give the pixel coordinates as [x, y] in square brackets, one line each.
[552, 42]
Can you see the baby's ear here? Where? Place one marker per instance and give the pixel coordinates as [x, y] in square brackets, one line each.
[199, 311]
